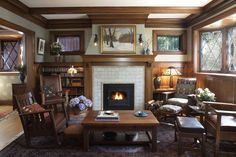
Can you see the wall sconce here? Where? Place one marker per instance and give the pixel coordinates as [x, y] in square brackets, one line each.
[171, 71]
[95, 41]
[140, 40]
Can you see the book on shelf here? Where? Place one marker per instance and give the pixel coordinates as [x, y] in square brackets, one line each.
[107, 116]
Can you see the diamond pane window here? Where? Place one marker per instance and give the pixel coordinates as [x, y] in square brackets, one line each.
[210, 51]
[10, 55]
[168, 43]
[232, 49]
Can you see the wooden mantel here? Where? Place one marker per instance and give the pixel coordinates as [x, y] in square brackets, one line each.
[118, 60]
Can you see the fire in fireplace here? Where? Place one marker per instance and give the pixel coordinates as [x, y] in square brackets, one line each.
[118, 96]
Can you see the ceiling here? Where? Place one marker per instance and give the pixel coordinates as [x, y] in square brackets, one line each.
[194, 4]
[53, 14]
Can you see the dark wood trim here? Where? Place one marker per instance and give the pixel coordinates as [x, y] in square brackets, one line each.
[6, 102]
[22, 10]
[29, 52]
[55, 34]
[71, 23]
[121, 60]
[181, 33]
[165, 23]
[114, 10]
[211, 10]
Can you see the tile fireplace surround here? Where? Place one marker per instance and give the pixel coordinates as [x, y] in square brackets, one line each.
[100, 69]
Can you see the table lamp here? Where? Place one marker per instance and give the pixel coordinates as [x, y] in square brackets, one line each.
[171, 71]
[72, 70]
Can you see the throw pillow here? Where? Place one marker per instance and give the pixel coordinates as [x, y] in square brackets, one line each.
[35, 107]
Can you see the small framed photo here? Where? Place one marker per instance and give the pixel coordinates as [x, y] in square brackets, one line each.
[117, 39]
[41, 46]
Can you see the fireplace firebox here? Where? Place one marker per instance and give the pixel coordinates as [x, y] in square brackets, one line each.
[118, 96]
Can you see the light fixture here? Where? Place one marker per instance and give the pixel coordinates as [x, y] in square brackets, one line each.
[95, 41]
[140, 40]
[72, 70]
[171, 71]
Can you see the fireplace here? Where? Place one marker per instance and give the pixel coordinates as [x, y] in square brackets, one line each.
[118, 96]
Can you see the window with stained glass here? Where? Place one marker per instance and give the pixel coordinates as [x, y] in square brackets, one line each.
[232, 49]
[210, 51]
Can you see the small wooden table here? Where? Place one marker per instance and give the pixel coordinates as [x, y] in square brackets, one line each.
[128, 122]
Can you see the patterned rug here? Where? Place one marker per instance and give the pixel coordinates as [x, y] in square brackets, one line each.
[165, 148]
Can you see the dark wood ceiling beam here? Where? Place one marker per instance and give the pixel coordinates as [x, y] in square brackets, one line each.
[72, 23]
[165, 23]
[210, 10]
[112, 10]
[22, 10]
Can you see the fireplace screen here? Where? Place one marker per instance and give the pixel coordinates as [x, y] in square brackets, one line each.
[118, 96]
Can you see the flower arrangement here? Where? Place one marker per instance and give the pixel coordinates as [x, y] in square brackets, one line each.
[81, 102]
[205, 95]
[56, 48]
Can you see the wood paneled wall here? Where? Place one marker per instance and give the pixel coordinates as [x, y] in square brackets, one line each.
[223, 87]
[159, 67]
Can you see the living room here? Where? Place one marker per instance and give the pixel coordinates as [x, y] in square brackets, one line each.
[118, 56]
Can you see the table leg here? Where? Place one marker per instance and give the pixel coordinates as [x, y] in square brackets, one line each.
[154, 138]
[86, 139]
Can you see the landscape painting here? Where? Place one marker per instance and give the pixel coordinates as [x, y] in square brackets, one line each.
[118, 39]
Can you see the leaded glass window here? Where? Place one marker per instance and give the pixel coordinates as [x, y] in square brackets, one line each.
[232, 49]
[210, 51]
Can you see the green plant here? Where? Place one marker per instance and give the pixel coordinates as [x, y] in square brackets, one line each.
[56, 48]
[205, 95]
[21, 68]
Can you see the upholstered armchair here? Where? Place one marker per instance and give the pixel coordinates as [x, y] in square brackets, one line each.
[53, 97]
[185, 87]
[220, 121]
[36, 120]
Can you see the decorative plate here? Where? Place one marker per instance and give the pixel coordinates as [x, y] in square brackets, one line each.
[141, 114]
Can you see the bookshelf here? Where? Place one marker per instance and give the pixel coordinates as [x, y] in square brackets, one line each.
[73, 83]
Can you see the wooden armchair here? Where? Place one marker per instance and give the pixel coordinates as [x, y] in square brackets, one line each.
[36, 120]
[53, 97]
[220, 121]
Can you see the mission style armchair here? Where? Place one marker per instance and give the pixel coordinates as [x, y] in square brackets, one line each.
[53, 97]
[176, 103]
[220, 121]
[36, 120]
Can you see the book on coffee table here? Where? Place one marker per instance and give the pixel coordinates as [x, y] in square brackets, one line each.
[107, 116]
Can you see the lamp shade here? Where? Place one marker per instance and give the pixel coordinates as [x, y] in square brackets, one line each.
[72, 70]
[171, 71]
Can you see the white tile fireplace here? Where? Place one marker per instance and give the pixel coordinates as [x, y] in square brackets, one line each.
[118, 74]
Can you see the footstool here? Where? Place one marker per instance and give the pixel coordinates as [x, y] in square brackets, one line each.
[170, 110]
[189, 127]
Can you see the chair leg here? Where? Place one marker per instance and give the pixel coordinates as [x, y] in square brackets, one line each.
[203, 144]
[175, 131]
[217, 147]
[179, 144]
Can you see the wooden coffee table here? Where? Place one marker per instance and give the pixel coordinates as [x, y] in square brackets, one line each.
[128, 122]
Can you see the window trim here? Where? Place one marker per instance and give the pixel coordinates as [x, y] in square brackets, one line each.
[182, 34]
[224, 50]
[55, 34]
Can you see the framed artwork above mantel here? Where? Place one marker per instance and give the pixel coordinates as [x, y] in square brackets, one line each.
[118, 39]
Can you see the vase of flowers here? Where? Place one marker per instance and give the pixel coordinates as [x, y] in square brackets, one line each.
[56, 49]
[204, 95]
[22, 71]
[80, 103]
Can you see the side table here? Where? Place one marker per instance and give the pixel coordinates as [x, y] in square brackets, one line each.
[158, 94]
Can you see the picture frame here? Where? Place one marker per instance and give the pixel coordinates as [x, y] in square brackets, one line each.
[118, 39]
[41, 46]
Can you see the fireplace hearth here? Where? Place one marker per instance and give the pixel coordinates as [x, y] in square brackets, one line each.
[118, 96]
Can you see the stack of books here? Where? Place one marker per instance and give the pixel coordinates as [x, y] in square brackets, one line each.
[107, 116]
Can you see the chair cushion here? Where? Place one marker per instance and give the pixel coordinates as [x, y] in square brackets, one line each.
[171, 108]
[178, 101]
[35, 107]
[228, 123]
[189, 125]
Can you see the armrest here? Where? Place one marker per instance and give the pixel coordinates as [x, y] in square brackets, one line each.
[225, 112]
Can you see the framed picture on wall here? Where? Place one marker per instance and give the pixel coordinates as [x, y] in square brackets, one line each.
[118, 39]
[41, 46]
